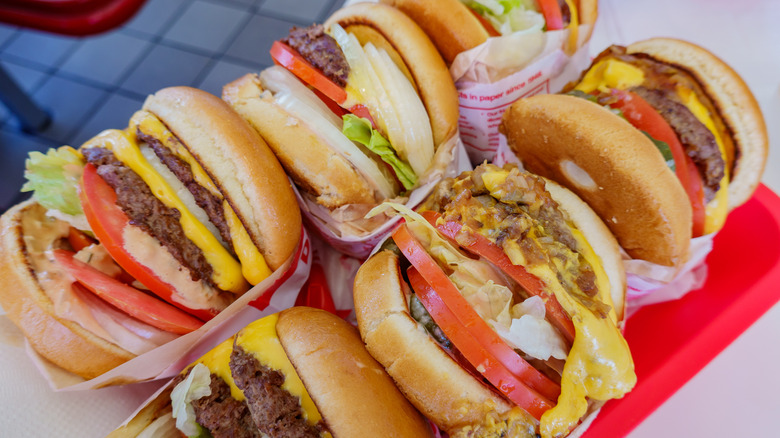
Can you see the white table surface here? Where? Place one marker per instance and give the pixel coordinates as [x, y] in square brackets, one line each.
[735, 395]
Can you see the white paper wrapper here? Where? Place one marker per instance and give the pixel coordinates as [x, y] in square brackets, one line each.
[273, 294]
[347, 231]
[648, 283]
[502, 70]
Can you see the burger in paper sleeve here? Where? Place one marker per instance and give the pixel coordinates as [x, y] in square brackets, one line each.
[358, 110]
[302, 372]
[144, 234]
[498, 307]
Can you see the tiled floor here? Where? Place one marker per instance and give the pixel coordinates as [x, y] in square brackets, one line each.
[94, 83]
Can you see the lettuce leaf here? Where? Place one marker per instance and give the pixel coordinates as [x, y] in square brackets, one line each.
[508, 16]
[196, 385]
[54, 177]
[359, 129]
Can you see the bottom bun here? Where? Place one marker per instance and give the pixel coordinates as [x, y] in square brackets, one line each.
[61, 341]
[351, 390]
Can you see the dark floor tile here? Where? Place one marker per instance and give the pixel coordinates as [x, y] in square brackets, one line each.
[106, 58]
[222, 73]
[155, 15]
[207, 26]
[6, 33]
[14, 147]
[165, 66]
[44, 49]
[69, 104]
[115, 113]
[254, 42]
[303, 12]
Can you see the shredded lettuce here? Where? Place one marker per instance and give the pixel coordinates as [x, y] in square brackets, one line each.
[508, 16]
[195, 386]
[53, 178]
[359, 129]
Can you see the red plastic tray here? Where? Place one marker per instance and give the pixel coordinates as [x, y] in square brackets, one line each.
[673, 341]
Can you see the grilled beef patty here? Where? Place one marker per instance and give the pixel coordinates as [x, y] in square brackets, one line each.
[275, 411]
[144, 210]
[321, 50]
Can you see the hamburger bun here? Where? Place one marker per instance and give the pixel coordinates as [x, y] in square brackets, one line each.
[459, 29]
[611, 165]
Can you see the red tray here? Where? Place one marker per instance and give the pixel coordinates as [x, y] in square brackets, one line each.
[673, 341]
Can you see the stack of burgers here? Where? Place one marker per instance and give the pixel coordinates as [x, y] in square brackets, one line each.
[495, 307]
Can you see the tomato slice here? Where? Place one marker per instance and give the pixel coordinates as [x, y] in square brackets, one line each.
[79, 240]
[107, 221]
[475, 353]
[126, 298]
[290, 59]
[469, 318]
[553, 16]
[697, 193]
[644, 117]
[486, 24]
[481, 246]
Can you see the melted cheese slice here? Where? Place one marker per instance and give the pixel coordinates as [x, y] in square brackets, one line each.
[574, 26]
[261, 340]
[218, 362]
[611, 73]
[253, 265]
[227, 271]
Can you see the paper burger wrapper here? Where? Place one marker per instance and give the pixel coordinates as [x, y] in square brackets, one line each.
[346, 228]
[649, 283]
[504, 69]
[277, 292]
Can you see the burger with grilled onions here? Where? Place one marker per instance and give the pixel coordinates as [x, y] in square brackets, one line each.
[498, 307]
[300, 373]
[144, 233]
[468, 23]
[357, 110]
[684, 103]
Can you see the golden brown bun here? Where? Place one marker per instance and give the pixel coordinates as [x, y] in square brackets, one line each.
[233, 154]
[734, 101]
[437, 385]
[351, 390]
[453, 28]
[424, 63]
[63, 342]
[625, 180]
[306, 157]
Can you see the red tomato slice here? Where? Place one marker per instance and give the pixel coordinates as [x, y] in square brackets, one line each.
[553, 16]
[79, 240]
[469, 318]
[486, 24]
[128, 299]
[475, 353]
[697, 193]
[644, 117]
[481, 246]
[290, 59]
[107, 221]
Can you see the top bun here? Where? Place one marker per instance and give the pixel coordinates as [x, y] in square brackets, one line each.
[239, 162]
[454, 28]
[734, 102]
[430, 75]
[351, 390]
[610, 165]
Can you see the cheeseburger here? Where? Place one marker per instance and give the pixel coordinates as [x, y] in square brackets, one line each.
[697, 124]
[357, 110]
[143, 233]
[300, 373]
[498, 307]
[455, 26]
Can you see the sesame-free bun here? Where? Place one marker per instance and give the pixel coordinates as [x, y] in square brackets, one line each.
[733, 100]
[454, 28]
[420, 57]
[611, 165]
[240, 163]
[351, 390]
[62, 341]
[305, 154]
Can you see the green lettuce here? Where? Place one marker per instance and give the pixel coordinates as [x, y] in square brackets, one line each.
[359, 129]
[508, 16]
[665, 150]
[53, 178]
[196, 385]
